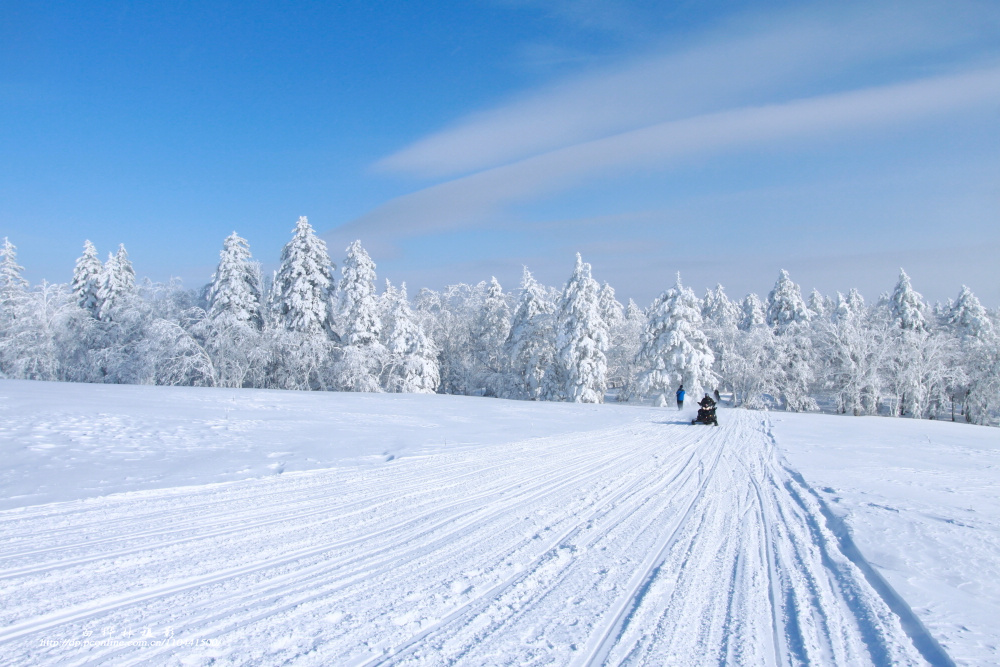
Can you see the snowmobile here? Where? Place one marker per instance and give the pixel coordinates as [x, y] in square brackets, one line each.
[706, 416]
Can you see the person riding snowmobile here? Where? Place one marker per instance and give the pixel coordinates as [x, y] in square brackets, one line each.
[706, 413]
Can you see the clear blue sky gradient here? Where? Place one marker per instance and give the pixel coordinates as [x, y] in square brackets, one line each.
[460, 140]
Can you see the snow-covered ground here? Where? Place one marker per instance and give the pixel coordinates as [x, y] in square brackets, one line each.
[184, 526]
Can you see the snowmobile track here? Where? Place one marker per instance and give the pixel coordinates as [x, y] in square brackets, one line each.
[650, 544]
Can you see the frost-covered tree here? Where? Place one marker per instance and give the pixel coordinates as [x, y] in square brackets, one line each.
[906, 306]
[718, 310]
[752, 313]
[624, 349]
[411, 365]
[751, 368]
[817, 304]
[358, 315]
[117, 285]
[357, 302]
[489, 335]
[530, 344]
[856, 354]
[234, 295]
[87, 279]
[784, 304]
[231, 329]
[967, 317]
[303, 282]
[454, 312]
[674, 349]
[581, 338]
[856, 302]
[797, 359]
[12, 285]
[721, 319]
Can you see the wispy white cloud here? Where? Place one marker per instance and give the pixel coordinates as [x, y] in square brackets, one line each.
[478, 197]
[748, 61]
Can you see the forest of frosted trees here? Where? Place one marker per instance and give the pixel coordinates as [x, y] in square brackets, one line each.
[306, 327]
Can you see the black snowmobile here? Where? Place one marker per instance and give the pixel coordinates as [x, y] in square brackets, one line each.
[706, 413]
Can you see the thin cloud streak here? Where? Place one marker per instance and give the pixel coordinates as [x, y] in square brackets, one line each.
[479, 197]
[733, 67]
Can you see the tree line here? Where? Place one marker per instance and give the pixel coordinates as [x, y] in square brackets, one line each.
[303, 328]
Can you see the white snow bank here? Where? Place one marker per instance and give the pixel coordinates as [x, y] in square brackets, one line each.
[922, 499]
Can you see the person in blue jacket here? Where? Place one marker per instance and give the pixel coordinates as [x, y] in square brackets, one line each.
[680, 397]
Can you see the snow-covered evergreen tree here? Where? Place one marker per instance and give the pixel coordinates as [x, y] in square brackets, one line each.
[490, 332]
[856, 301]
[581, 338]
[721, 325]
[234, 295]
[530, 345]
[674, 349]
[906, 306]
[13, 289]
[363, 356]
[87, 279]
[797, 359]
[752, 312]
[412, 358]
[117, 285]
[967, 317]
[817, 304]
[784, 304]
[718, 310]
[303, 282]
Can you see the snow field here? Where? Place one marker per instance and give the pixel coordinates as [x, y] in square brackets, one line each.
[633, 538]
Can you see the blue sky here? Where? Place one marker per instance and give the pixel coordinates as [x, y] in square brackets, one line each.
[726, 140]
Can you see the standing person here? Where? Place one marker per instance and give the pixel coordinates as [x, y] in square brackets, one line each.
[717, 397]
[680, 397]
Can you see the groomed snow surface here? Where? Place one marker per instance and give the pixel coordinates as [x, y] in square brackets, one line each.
[154, 525]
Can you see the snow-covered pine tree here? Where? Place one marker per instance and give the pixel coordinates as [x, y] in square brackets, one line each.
[906, 306]
[489, 335]
[581, 338]
[718, 310]
[978, 352]
[412, 358]
[232, 326]
[12, 285]
[674, 349]
[720, 323]
[842, 311]
[14, 309]
[117, 284]
[856, 302]
[619, 352]
[752, 313]
[968, 319]
[784, 304]
[788, 315]
[363, 355]
[530, 345]
[87, 279]
[234, 295]
[303, 282]
[817, 304]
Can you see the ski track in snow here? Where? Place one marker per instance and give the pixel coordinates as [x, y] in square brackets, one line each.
[652, 544]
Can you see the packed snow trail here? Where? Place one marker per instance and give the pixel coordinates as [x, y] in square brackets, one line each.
[657, 543]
